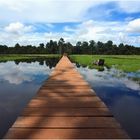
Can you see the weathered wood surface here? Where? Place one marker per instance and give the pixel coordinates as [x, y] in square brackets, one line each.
[65, 107]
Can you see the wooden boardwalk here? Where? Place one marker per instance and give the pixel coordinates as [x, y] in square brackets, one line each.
[65, 107]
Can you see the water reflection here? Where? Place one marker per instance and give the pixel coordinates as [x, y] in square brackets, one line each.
[99, 68]
[50, 62]
[120, 92]
[19, 82]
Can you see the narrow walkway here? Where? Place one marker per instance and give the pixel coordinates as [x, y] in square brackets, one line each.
[65, 108]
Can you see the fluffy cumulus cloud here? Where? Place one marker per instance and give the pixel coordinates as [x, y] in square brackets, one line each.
[46, 10]
[87, 30]
[104, 31]
[15, 32]
[18, 28]
[61, 10]
[97, 30]
[36, 21]
[134, 26]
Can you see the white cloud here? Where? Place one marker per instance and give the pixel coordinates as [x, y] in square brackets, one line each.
[104, 31]
[98, 31]
[46, 10]
[68, 29]
[134, 26]
[18, 28]
[128, 6]
[50, 25]
[16, 32]
[88, 30]
[14, 5]
[58, 10]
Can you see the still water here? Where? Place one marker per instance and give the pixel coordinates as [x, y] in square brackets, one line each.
[20, 80]
[121, 93]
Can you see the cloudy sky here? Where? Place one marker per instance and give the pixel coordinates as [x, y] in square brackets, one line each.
[37, 21]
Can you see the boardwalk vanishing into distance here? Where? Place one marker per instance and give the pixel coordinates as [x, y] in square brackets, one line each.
[65, 107]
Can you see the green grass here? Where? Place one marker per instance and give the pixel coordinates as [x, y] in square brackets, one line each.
[127, 63]
[26, 56]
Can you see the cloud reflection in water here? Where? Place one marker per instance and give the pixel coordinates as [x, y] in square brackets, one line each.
[121, 93]
[23, 72]
[18, 84]
[111, 78]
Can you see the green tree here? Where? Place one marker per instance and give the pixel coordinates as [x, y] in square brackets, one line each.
[84, 47]
[17, 49]
[61, 44]
[41, 48]
[78, 47]
[92, 45]
[68, 48]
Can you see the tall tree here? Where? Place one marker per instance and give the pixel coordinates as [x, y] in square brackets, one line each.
[92, 45]
[61, 43]
[68, 48]
[84, 47]
[53, 47]
[78, 47]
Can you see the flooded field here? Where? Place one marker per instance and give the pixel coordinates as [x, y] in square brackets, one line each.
[19, 82]
[21, 79]
[121, 93]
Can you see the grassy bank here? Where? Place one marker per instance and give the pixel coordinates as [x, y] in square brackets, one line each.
[26, 56]
[128, 63]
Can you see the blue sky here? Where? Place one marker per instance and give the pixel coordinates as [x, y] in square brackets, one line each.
[36, 21]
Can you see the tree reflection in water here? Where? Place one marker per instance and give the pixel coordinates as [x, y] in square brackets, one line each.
[50, 62]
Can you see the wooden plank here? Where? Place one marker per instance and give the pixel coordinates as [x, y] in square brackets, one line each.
[66, 107]
[66, 103]
[29, 111]
[28, 133]
[59, 94]
[65, 94]
[69, 99]
[73, 78]
[75, 90]
[50, 83]
[87, 92]
[67, 86]
[66, 122]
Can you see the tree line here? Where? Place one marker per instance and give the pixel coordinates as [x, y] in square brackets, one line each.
[84, 47]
